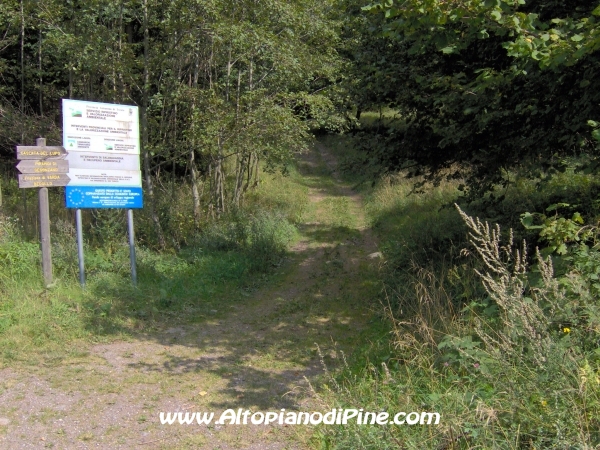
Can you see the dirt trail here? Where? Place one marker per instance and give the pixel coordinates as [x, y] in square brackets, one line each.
[257, 355]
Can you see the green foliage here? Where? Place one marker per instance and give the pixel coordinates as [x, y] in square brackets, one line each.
[574, 250]
[503, 344]
[517, 368]
[223, 87]
[19, 260]
[263, 237]
[415, 228]
[484, 87]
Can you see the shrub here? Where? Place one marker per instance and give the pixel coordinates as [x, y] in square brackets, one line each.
[263, 237]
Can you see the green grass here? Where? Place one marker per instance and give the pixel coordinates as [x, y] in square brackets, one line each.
[217, 267]
[187, 287]
[282, 192]
[435, 351]
[386, 117]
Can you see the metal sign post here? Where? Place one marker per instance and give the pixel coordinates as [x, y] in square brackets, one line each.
[103, 145]
[80, 247]
[131, 246]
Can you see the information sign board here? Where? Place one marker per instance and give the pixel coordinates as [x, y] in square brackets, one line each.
[100, 127]
[103, 145]
[94, 177]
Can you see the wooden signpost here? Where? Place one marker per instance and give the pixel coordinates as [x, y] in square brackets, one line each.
[46, 180]
[43, 167]
[40, 151]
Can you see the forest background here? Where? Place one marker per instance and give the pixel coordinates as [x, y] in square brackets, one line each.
[491, 104]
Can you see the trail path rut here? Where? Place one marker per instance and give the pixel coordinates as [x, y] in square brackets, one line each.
[256, 355]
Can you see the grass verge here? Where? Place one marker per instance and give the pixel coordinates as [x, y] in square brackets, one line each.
[501, 345]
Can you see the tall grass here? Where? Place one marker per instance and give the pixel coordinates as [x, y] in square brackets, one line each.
[478, 327]
[502, 372]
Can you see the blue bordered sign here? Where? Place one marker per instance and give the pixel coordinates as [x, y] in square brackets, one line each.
[104, 197]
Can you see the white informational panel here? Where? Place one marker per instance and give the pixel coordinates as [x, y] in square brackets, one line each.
[100, 127]
[108, 161]
[94, 177]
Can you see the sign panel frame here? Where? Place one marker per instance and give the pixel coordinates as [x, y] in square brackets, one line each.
[104, 197]
[103, 145]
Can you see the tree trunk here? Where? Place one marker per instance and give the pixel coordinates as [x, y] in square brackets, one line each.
[239, 179]
[193, 171]
[256, 172]
[237, 97]
[22, 63]
[146, 154]
[228, 75]
[195, 192]
[40, 71]
[250, 81]
[217, 203]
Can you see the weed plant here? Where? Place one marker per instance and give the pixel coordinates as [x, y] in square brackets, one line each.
[515, 368]
[500, 339]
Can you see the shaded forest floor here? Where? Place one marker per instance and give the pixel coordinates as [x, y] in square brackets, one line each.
[262, 354]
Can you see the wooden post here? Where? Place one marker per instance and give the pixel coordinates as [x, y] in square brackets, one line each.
[45, 236]
[42, 167]
[45, 227]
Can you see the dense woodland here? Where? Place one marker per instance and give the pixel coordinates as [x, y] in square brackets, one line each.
[483, 87]
[222, 86]
[491, 104]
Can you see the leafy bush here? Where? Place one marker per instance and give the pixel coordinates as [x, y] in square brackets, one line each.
[18, 259]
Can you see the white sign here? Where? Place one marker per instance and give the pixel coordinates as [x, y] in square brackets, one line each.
[98, 177]
[107, 161]
[103, 147]
[100, 127]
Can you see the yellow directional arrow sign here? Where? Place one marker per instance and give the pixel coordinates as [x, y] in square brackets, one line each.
[43, 166]
[39, 152]
[43, 180]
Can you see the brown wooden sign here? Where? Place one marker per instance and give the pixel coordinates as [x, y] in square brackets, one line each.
[43, 166]
[40, 152]
[43, 180]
